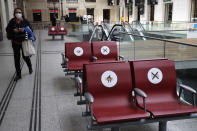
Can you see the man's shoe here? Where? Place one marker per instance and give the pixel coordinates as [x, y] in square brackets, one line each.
[30, 71]
[17, 78]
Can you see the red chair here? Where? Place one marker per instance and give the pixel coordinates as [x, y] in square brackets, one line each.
[81, 87]
[52, 30]
[105, 51]
[157, 78]
[77, 54]
[109, 87]
[57, 30]
[62, 30]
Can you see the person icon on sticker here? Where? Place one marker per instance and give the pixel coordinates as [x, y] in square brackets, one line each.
[109, 79]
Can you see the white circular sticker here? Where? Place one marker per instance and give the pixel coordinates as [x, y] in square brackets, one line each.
[105, 50]
[53, 29]
[155, 75]
[62, 28]
[78, 51]
[109, 79]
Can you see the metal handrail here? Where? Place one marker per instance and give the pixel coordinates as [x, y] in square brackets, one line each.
[105, 29]
[94, 31]
[165, 40]
[130, 28]
[138, 23]
[113, 29]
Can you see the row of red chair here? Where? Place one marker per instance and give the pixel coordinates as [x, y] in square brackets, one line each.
[135, 92]
[57, 30]
[79, 53]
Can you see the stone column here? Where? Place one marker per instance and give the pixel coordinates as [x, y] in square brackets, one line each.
[3, 17]
[10, 9]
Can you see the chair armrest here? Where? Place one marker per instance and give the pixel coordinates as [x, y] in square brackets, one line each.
[94, 58]
[89, 97]
[62, 54]
[63, 59]
[142, 94]
[66, 59]
[191, 90]
[121, 57]
[188, 88]
[78, 80]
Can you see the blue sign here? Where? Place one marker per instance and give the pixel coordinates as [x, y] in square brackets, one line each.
[195, 26]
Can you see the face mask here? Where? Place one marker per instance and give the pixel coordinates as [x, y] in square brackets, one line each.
[18, 15]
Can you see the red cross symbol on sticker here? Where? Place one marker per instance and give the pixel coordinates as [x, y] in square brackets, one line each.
[105, 50]
[78, 51]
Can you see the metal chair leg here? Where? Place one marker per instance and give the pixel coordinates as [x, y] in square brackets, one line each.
[115, 129]
[62, 37]
[163, 126]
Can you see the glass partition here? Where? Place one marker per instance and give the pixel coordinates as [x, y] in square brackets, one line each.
[178, 49]
[158, 26]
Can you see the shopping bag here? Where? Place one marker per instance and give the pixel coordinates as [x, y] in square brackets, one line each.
[28, 48]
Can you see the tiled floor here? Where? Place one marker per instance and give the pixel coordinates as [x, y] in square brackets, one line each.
[59, 111]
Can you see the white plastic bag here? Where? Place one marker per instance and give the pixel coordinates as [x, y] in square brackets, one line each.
[28, 48]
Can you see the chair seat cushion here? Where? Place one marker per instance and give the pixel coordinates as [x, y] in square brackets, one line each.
[172, 108]
[123, 112]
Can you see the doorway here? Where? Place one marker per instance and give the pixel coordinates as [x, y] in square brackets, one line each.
[152, 11]
[194, 11]
[138, 13]
[90, 11]
[168, 12]
[106, 15]
[37, 15]
[73, 17]
[53, 12]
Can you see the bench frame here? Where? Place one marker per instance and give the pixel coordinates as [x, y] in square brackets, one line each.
[57, 32]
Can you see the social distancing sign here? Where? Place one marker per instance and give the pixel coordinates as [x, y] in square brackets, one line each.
[105, 50]
[109, 79]
[155, 75]
[78, 51]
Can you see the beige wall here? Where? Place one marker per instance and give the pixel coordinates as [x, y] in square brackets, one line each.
[81, 9]
[34, 5]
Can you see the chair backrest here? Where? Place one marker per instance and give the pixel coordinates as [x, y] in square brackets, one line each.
[78, 53]
[105, 50]
[53, 29]
[109, 83]
[155, 77]
[62, 29]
